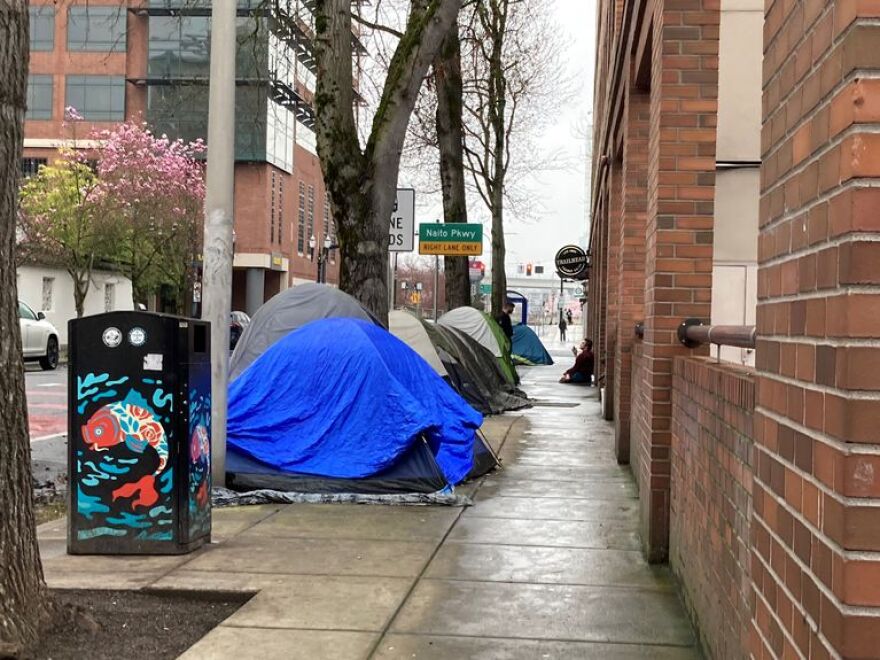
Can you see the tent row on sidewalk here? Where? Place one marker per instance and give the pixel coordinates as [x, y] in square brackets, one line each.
[324, 399]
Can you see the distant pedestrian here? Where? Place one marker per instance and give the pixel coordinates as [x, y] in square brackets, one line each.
[504, 320]
[568, 315]
[562, 327]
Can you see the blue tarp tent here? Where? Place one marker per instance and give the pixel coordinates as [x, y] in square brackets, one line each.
[527, 347]
[341, 405]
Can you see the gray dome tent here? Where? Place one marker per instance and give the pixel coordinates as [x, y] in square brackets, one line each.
[287, 311]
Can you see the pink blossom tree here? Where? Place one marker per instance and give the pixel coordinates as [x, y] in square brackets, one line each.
[152, 188]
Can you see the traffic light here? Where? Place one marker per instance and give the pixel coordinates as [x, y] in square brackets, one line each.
[528, 270]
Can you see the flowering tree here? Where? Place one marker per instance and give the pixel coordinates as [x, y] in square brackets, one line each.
[58, 221]
[153, 189]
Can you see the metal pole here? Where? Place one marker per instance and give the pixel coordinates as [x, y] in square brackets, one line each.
[394, 283]
[219, 204]
[436, 280]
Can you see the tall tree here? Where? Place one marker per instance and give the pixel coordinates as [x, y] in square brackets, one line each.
[362, 180]
[450, 141]
[24, 601]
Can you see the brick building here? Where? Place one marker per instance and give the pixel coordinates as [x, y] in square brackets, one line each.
[735, 180]
[140, 60]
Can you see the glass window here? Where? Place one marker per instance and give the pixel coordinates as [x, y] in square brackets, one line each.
[39, 97]
[42, 30]
[97, 98]
[25, 312]
[311, 231]
[301, 220]
[96, 29]
[48, 293]
[30, 166]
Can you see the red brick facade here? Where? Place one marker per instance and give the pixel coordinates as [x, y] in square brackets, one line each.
[761, 488]
[711, 499]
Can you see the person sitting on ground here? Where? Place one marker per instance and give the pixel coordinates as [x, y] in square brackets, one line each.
[582, 371]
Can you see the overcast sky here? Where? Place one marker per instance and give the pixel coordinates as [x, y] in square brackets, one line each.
[560, 195]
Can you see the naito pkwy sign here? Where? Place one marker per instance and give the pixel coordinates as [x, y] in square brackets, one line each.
[451, 239]
[572, 263]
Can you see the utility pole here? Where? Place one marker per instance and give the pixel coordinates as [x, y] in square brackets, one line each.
[219, 201]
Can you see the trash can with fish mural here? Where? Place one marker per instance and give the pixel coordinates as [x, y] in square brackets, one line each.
[139, 434]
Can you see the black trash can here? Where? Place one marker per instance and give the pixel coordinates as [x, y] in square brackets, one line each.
[139, 434]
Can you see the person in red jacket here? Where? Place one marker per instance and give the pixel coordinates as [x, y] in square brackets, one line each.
[582, 371]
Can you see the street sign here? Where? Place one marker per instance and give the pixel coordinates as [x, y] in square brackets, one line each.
[403, 221]
[486, 289]
[453, 239]
[572, 263]
[476, 271]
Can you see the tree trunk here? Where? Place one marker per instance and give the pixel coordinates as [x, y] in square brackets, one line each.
[362, 183]
[23, 597]
[499, 277]
[498, 127]
[450, 137]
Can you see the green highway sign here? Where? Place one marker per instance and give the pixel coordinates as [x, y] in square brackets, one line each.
[453, 239]
[486, 289]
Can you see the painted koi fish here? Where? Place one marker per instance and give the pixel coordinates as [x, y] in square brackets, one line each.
[136, 427]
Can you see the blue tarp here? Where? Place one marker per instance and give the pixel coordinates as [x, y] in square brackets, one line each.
[344, 398]
[527, 347]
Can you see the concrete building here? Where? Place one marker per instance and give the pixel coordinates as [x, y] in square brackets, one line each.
[135, 60]
[758, 484]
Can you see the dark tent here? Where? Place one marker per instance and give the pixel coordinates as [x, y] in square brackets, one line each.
[461, 381]
[287, 311]
[527, 347]
[481, 368]
[341, 405]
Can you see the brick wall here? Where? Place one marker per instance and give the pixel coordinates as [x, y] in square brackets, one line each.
[711, 499]
[630, 260]
[681, 180]
[816, 527]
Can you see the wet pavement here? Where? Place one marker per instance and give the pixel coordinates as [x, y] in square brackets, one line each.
[546, 564]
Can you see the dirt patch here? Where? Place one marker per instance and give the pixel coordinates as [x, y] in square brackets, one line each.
[107, 625]
[47, 511]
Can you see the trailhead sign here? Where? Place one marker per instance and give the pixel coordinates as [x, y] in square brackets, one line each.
[451, 239]
[403, 221]
[572, 262]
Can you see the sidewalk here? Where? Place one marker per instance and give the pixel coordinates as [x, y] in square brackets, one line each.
[545, 565]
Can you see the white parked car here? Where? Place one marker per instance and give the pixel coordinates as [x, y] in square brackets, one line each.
[39, 338]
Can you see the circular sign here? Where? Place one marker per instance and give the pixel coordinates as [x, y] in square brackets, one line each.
[137, 336]
[111, 337]
[572, 262]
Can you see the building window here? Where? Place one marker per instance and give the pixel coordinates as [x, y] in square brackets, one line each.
[39, 97]
[109, 297]
[97, 98]
[48, 291]
[95, 28]
[311, 212]
[42, 27]
[301, 220]
[272, 213]
[31, 166]
[280, 208]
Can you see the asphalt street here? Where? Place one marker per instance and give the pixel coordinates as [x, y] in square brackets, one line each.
[47, 418]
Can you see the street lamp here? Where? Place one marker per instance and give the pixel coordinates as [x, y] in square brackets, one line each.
[322, 258]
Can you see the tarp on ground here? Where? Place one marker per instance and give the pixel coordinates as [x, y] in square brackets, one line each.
[285, 312]
[527, 347]
[343, 405]
[485, 331]
[481, 368]
[408, 329]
